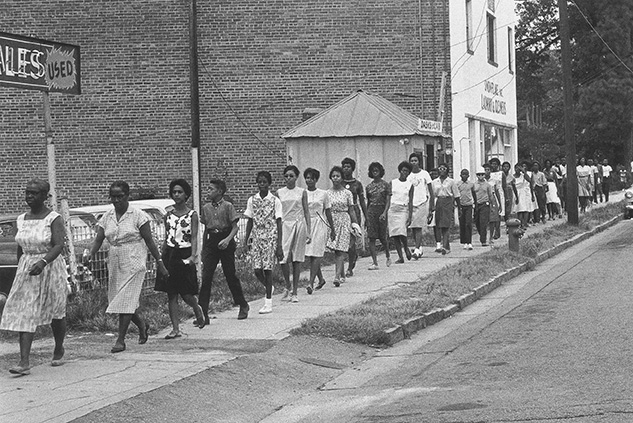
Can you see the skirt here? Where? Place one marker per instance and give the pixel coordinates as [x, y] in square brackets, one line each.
[342, 226]
[319, 234]
[397, 216]
[182, 278]
[376, 228]
[420, 215]
[444, 212]
[293, 240]
[127, 267]
[36, 300]
[552, 193]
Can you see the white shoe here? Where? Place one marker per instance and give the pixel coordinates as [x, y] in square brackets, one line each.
[465, 246]
[470, 246]
[294, 298]
[268, 306]
[373, 267]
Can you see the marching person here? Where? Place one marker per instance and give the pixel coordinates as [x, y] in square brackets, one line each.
[38, 294]
[128, 232]
[422, 198]
[354, 186]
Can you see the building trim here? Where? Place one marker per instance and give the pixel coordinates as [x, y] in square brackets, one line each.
[491, 121]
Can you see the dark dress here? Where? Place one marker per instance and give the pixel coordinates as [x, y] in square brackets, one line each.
[182, 278]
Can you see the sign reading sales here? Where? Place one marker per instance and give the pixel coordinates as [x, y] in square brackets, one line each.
[34, 64]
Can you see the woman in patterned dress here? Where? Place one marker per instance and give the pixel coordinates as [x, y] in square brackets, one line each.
[180, 252]
[38, 295]
[343, 215]
[377, 193]
[296, 230]
[321, 221]
[264, 212]
[128, 232]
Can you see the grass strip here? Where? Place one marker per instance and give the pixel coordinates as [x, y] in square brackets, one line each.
[365, 323]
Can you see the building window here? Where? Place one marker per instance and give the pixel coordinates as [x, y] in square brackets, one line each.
[492, 44]
[510, 50]
[469, 26]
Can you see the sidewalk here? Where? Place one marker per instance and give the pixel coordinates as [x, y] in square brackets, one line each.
[81, 386]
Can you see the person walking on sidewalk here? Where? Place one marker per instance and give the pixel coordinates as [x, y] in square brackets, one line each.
[484, 194]
[447, 197]
[437, 232]
[38, 295]
[422, 197]
[264, 212]
[218, 246]
[343, 215]
[378, 192]
[356, 188]
[322, 226]
[467, 199]
[128, 232]
[399, 210]
[539, 180]
[510, 192]
[497, 179]
[606, 179]
[180, 252]
[585, 177]
[296, 230]
[525, 195]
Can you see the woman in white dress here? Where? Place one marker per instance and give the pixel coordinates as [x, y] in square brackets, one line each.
[584, 174]
[525, 196]
[322, 226]
[295, 232]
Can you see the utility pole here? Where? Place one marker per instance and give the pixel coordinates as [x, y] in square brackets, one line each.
[195, 106]
[570, 142]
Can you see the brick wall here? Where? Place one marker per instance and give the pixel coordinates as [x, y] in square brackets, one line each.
[261, 64]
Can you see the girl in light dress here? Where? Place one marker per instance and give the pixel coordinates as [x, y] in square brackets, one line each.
[322, 226]
[343, 215]
[296, 230]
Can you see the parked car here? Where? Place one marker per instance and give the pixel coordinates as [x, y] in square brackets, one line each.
[83, 230]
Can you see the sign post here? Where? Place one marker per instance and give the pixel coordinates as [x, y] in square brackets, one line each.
[33, 64]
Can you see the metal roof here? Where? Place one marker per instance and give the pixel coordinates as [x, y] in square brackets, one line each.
[360, 115]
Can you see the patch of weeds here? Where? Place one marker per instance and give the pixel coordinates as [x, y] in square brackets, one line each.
[366, 322]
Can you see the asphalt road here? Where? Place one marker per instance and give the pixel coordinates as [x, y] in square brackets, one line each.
[555, 345]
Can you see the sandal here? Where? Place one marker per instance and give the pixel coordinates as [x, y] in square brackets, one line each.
[173, 335]
[20, 371]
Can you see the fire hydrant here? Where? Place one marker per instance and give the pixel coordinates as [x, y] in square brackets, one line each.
[514, 234]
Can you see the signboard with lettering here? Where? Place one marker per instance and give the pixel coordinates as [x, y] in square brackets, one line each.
[34, 64]
[492, 100]
[429, 125]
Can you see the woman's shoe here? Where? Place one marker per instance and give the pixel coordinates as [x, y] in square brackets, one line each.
[373, 267]
[20, 371]
[337, 283]
[309, 290]
[388, 261]
[59, 361]
[399, 261]
[408, 253]
[320, 285]
[268, 306]
[173, 335]
[142, 337]
[118, 348]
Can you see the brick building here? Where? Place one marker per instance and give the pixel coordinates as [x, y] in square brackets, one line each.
[261, 64]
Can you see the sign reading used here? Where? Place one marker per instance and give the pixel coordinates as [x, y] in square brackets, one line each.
[34, 64]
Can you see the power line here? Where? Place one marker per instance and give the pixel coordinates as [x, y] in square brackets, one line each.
[600, 36]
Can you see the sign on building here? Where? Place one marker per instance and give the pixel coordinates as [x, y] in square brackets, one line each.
[30, 63]
[429, 125]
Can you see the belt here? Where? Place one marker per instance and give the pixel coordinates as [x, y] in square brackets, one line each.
[217, 231]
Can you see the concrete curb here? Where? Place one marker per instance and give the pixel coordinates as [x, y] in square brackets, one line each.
[415, 324]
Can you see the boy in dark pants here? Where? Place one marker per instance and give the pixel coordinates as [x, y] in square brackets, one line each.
[220, 220]
[467, 199]
[483, 195]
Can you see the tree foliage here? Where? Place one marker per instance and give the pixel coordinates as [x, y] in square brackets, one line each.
[601, 37]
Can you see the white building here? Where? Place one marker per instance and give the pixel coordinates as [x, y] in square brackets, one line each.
[483, 82]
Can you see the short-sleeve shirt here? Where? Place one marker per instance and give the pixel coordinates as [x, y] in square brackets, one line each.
[465, 193]
[483, 190]
[420, 183]
[220, 215]
[377, 193]
[606, 171]
[446, 188]
[539, 179]
[125, 230]
[264, 212]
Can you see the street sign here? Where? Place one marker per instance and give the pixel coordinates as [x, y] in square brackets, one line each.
[33, 64]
